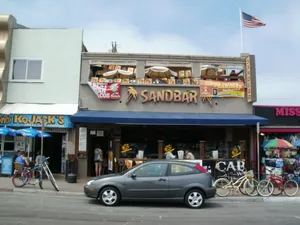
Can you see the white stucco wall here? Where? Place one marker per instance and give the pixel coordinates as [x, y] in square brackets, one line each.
[60, 50]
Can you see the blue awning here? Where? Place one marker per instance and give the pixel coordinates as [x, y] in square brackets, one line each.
[159, 118]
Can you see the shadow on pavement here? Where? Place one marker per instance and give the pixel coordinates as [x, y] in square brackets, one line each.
[157, 204]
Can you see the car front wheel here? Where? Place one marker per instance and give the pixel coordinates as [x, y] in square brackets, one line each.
[110, 196]
[194, 199]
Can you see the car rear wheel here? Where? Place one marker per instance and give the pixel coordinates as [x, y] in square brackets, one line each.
[194, 199]
[110, 196]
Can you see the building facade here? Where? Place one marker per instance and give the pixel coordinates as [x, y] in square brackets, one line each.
[284, 124]
[42, 87]
[142, 106]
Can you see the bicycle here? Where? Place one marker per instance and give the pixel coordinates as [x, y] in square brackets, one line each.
[26, 176]
[269, 186]
[234, 176]
[245, 181]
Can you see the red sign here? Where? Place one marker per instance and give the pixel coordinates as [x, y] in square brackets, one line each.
[108, 91]
[287, 111]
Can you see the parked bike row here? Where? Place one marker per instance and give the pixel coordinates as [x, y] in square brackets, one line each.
[246, 184]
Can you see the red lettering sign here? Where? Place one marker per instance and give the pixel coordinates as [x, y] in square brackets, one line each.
[287, 111]
[108, 91]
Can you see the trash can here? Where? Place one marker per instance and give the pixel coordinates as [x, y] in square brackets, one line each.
[71, 178]
[71, 171]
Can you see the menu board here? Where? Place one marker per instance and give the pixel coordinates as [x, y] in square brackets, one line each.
[82, 139]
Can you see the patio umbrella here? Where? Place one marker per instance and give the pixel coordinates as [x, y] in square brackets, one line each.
[123, 74]
[160, 72]
[7, 131]
[296, 144]
[32, 133]
[278, 143]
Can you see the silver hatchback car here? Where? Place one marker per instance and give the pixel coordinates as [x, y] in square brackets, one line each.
[161, 180]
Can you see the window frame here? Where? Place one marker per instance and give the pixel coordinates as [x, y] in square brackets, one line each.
[26, 80]
[182, 174]
[165, 175]
[7, 141]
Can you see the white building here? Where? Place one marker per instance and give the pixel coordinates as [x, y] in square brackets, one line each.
[42, 84]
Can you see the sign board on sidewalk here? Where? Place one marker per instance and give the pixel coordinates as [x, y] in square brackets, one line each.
[7, 166]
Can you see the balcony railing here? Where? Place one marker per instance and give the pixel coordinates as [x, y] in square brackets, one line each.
[179, 69]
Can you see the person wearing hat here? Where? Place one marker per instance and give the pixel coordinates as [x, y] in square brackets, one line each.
[168, 152]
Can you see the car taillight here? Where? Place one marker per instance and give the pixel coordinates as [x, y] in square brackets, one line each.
[201, 168]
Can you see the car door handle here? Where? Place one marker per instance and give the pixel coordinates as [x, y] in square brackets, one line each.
[162, 180]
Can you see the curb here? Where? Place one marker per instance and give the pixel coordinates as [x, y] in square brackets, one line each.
[255, 199]
[48, 193]
[6, 190]
[213, 200]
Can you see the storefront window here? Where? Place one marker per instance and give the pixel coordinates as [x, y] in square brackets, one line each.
[194, 148]
[222, 150]
[281, 161]
[216, 150]
[139, 142]
[133, 150]
[9, 143]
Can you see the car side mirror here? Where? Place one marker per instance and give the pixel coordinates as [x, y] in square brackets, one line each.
[133, 175]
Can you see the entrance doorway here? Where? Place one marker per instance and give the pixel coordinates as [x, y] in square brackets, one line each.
[103, 142]
[52, 149]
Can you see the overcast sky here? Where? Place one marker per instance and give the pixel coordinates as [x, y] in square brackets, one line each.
[184, 27]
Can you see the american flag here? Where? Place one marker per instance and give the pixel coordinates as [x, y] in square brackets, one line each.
[251, 21]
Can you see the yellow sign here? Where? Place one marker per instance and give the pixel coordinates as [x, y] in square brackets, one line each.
[163, 96]
[168, 149]
[126, 148]
[235, 152]
[222, 89]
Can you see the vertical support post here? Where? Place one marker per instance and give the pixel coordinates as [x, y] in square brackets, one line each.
[117, 145]
[243, 149]
[2, 145]
[258, 153]
[42, 147]
[202, 149]
[160, 149]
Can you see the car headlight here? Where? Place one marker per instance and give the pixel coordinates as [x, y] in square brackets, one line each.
[89, 183]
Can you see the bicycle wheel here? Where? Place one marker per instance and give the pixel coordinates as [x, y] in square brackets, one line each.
[19, 179]
[291, 188]
[241, 189]
[278, 187]
[39, 177]
[222, 187]
[52, 180]
[250, 187]
[265, 188]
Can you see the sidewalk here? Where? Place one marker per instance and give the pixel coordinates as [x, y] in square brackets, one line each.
[65, 188]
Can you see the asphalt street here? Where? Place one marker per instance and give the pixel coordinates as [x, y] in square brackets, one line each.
[35, 209]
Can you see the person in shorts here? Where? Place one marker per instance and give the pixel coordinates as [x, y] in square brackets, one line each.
[98, 159]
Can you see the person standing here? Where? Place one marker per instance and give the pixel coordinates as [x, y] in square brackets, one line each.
[39, 159]
[189, 155]
[98, 159]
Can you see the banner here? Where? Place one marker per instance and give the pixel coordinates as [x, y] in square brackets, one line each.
[222, 89]
[107, 91]
[29, 120]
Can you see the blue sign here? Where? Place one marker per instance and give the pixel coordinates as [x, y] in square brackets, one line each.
[7, 165]
[26, 120]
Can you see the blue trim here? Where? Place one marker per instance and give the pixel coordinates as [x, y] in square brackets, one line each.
[158, 118]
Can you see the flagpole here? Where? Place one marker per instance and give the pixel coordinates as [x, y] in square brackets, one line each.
[241, 28]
